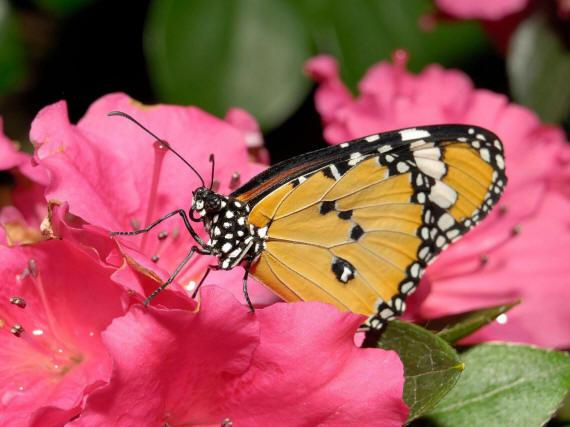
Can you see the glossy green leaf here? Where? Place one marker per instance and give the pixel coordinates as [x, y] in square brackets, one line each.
[361, 33]
[431, 365]
[505, 385]
[12, 65]
[538, 67]
[219, 54]
[453, 328]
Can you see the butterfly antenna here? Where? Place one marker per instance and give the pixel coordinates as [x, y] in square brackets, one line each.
[162, 141]
[213, 161]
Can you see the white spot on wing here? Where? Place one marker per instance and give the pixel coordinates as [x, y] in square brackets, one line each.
[445, 221]
[500, 161]
[428, 153]
[355, 158]
[262, 232]
[434, 168]
[372, 138]
[346, 272]
[334, 172]
[442, 195]
[406, 287]
[402, 167]
[413, 133]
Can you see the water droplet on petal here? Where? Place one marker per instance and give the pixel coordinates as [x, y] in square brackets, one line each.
[190, 286]
[37, 332]
[227, 423]
[91, 333]
[162, 235]
[502, 319]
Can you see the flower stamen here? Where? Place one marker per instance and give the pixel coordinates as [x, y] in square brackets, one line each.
[18, 301]
[160, 150]
[17, 330]
[235, 180]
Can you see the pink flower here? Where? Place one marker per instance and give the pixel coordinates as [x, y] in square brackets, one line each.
[241, 119]
[26, 207]
[481, 9]
[181, 368]
[520, 250]
[112, 176]
[51, 351]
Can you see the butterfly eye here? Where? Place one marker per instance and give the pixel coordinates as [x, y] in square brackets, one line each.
[212, 203]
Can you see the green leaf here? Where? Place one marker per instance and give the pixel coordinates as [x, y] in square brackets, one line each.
[538, 67]
[62, 6]
[218, 54]
[12, 65]
[505, 384]
[361, 33]
[431, 365]
[453, 328]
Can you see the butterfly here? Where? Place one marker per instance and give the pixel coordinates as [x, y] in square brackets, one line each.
[355, 224]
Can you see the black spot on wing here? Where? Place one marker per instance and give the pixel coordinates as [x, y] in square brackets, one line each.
[343, 270]
[356, 232]
[345, 214]
[326, 207]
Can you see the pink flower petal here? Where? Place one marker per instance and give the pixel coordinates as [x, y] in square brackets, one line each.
[241, 119]
[59, 357]
[481, 9]
[225, 362]
[10, 157]
[525, 265]
[27, 205]
[103, 167]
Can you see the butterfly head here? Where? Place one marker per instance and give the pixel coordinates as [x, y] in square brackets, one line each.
[207, 202]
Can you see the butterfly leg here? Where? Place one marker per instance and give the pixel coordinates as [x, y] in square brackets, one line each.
[209, 269]
[173, 275]
[180, 212]
[245, 294]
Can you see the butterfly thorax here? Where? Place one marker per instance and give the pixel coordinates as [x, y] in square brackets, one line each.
[232, 238]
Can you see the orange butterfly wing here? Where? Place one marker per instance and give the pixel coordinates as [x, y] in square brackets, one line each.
[356, 225]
